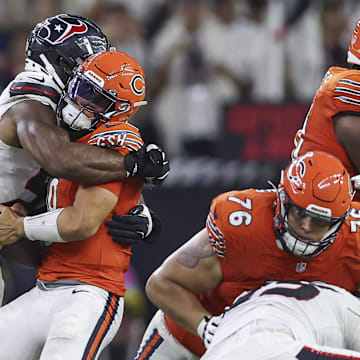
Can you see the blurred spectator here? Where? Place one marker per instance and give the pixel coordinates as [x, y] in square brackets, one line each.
[17, 49]
[304, 49]
[42, 9]
[334, 24]
[5, 67]
[179, 78]
[198, 64]
[123, 30]
[228, 44]
[290, 45]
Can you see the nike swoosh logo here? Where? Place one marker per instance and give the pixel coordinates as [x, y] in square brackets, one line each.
[77, 291]
[109, 126]
[42, 80]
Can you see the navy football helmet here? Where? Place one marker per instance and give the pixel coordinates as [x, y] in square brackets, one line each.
[58, 44]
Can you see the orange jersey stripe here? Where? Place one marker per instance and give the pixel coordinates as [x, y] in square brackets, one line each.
[101, 328]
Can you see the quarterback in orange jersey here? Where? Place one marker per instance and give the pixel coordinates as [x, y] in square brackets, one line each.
[307, 229]
[333, 121]
[77, 304]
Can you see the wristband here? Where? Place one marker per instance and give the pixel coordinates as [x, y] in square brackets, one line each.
[43, 227]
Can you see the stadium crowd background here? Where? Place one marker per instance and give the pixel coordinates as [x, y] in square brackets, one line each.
[228, 84]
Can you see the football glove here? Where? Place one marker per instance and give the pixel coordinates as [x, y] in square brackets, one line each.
[207, 327]
[150, 162]
[140, 225]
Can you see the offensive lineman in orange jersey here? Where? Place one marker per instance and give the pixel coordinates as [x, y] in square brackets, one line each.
[78, 303]
[307, 229]
[333, 121]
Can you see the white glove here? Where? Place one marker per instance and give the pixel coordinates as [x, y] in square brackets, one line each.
[207, 327]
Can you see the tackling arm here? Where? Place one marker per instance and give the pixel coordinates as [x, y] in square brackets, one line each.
[191, 269]
[51, 148]
[49, 145]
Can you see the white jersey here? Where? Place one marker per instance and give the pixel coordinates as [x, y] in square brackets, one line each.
[311, 314]
[18, 170]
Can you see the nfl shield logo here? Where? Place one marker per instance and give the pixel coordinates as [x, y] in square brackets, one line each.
[300, 267]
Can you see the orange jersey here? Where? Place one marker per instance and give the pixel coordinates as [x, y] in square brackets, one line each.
[339, 93]
[241, 231]
[97, 260]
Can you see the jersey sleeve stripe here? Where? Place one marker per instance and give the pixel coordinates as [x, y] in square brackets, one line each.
[348, 100]
[117, 139]
[118, 133]
[347, 90]
[23, 88]
[216, 237]
[349, 82]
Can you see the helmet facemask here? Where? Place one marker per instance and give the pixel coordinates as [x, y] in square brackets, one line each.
[300, 245]
[91, 95]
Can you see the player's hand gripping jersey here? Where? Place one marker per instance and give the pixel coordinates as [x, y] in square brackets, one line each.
[20, 182]
[236, 225]
[97, 260]
[339, 93]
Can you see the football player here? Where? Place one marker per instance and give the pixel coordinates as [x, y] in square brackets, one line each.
[306, 229]
[323, 321]
[77, 304]
[332, 123]
[30, 139]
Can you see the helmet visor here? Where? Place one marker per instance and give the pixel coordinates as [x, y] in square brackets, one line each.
[89, 96]
[320, 219]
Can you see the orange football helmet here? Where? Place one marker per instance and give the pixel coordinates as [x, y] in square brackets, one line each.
[319, 186]
[108, 86]
[353, 55]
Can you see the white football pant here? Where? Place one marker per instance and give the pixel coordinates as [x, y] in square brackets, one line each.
[61, 323]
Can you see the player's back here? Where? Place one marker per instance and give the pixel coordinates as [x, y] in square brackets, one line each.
[339, 93]
[315, 313]
[17, 166]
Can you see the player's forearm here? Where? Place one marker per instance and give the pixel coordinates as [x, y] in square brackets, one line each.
[80, 163]
[73, 227]
[89, 165]
[61, 225]
[51, 148]
[178, 303]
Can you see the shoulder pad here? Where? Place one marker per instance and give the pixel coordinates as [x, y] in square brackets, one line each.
[33, 85]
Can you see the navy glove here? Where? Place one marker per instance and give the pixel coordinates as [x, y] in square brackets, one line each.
[140, 225]
[150, 162]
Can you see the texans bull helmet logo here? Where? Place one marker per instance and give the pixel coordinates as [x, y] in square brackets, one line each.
[56, 30]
